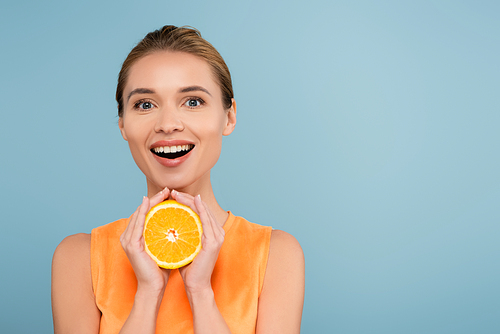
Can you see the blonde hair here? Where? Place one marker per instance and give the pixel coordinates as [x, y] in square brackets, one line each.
[177, 39]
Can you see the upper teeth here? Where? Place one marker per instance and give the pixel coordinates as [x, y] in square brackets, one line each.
[172, 149]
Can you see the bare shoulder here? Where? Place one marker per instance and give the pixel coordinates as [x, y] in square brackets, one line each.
[286, 257]
[76, 242]
[74, 250]
[71, 261]
[285, 245]
[282, 297]
[73, 303]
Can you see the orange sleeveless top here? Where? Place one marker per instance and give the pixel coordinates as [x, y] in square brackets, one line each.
[236, 281]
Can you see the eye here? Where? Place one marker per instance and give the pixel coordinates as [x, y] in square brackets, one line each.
[147, 105]
[193, 102]
[143, 105]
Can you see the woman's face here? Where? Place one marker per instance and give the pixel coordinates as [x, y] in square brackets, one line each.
[174, 120]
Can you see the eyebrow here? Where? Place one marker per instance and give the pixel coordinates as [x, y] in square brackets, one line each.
[182, 90]
[140, 91]
[194, 89]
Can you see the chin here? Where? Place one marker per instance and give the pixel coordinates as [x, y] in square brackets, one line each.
[179, 183]
[184, 179]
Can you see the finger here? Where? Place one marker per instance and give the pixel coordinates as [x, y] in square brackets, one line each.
[204, 217]
[210, 214]
[159, 197]
[209, 223]
[141, 217]
[217, 228]
[130, 226]
[185, 199]
[177, 193]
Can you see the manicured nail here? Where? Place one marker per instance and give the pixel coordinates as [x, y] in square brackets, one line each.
[174, 192]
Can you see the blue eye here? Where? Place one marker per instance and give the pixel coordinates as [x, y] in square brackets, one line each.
[146, 105]
[143, 105]
[193, 103]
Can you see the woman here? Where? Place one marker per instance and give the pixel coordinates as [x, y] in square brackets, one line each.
[175, 103]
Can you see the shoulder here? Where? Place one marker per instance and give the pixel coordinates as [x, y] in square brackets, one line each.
[73, 246]
[247, 234]
[286, 259]
[282, 245]
[72, 257]
[73, 304]
[282, 296]
[285, 246]
[71, 267]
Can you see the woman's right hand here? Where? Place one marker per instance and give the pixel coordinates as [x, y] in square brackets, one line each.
[150, 277]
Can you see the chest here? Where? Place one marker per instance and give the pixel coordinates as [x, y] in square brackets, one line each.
[235, 281]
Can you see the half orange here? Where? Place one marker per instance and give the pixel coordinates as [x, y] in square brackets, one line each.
[172, 234]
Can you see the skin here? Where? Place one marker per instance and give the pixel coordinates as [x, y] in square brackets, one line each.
[160, 108]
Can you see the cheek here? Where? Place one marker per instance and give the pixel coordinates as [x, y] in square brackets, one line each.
[136, 138]
[210, 134]
[132, 137]
[212, 129]
[135, 129]
[212, 137]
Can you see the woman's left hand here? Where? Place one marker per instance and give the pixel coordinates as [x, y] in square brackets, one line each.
[197, 275]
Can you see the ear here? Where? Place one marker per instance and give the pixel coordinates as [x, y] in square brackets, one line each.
[231, 119]
[122, 130]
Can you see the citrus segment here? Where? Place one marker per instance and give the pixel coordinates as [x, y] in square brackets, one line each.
[172, 234]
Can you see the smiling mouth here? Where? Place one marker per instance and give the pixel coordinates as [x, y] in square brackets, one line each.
[172, 152]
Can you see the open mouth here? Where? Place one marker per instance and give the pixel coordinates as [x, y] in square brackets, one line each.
[172, 152]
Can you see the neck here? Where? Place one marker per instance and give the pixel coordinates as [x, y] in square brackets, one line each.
[204, 189]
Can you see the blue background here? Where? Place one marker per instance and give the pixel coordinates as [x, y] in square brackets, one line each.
[367, 129]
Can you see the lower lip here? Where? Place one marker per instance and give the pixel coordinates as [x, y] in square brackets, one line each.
[171, 162]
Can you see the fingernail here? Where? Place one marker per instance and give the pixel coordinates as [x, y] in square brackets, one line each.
[199, 196]
[174, 192]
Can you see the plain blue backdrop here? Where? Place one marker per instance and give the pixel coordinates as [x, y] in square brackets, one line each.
[367, 129]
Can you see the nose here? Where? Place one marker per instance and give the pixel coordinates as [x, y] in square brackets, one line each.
[169, 120]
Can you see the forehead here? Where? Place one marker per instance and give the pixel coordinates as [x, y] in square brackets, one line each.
[166, 70]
